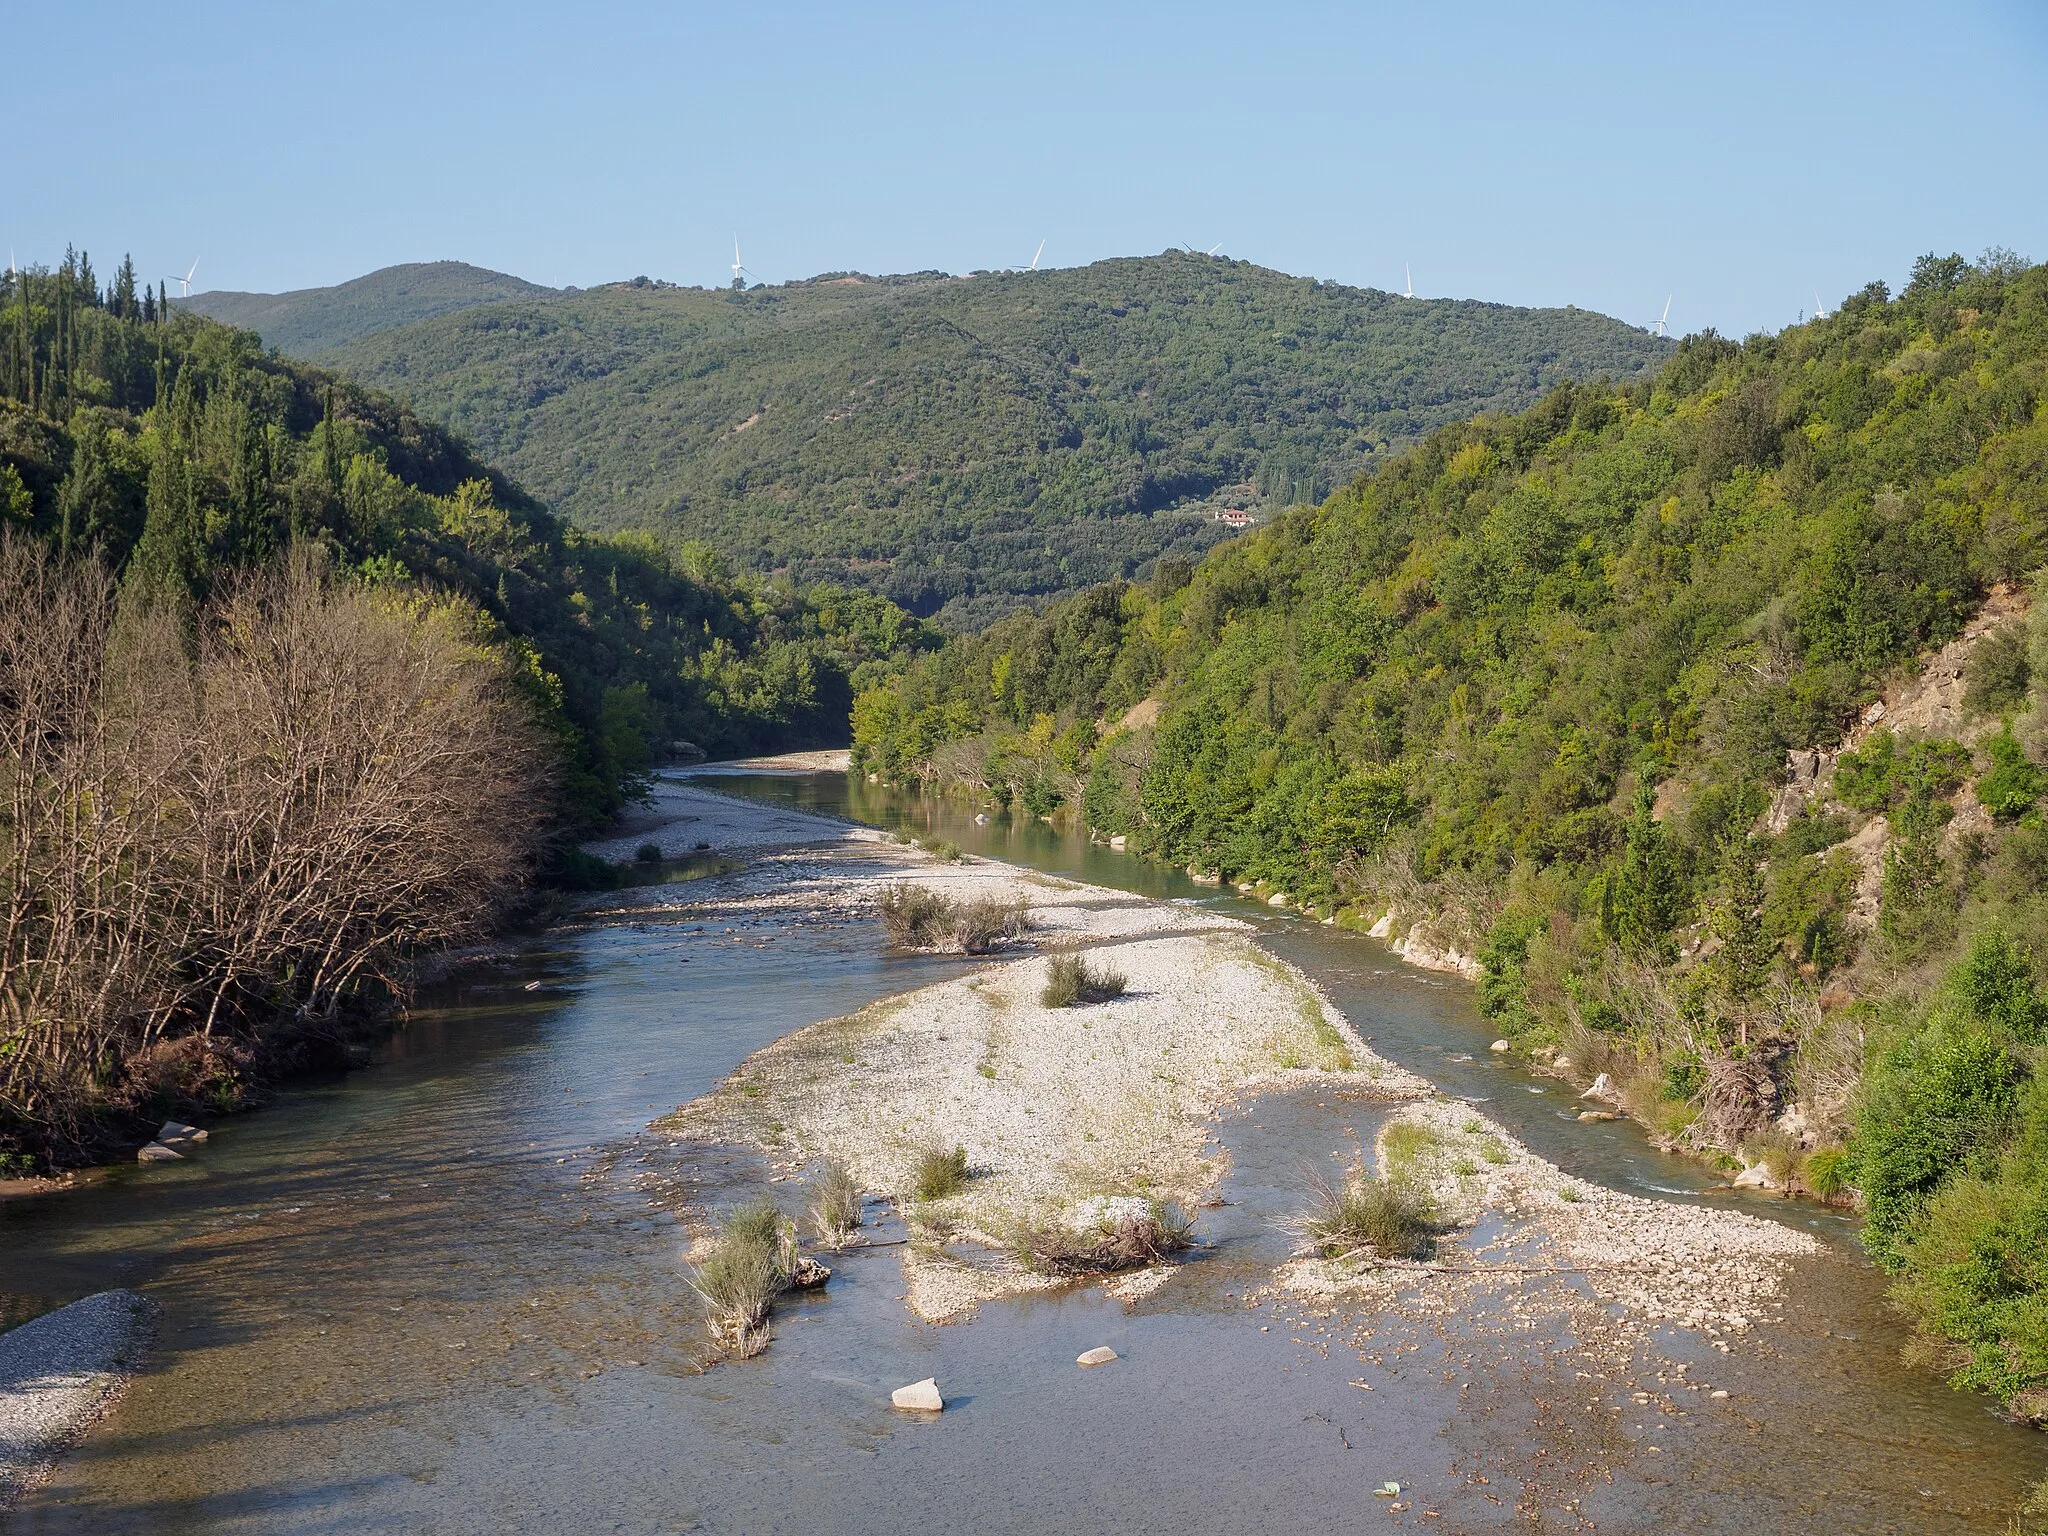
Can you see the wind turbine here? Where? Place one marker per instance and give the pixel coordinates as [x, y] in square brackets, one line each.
[1658, 329]
[1035, 255]
[1409, 291]
[185, 283]
[1820, 310]
[737, 269]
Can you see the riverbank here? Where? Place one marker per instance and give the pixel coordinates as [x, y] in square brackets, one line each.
[58, 1374]
[1067, 1113]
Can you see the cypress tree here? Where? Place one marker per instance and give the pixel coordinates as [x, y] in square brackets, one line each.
[1643, 899]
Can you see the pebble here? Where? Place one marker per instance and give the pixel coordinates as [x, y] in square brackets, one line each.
[1101, 1355]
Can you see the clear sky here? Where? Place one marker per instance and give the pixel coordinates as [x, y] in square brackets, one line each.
[1736, 156]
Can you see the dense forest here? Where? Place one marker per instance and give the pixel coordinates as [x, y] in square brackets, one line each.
[294, 690]
[1591, 693]
[309, 321]
[179, 444]
[967, 446]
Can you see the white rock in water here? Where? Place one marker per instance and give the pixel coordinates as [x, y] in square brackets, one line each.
[175, 1133]
[1603, 1088]
[1101, 1355]
[922, 1396]
[157, 1152]
[981, 818]
[1500, 1045]
[1383, 927]
[1277, 899]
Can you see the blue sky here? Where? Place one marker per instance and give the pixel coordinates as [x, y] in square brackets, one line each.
[1737, 157]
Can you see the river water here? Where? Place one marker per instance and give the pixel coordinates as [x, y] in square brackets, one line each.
[445, 1294]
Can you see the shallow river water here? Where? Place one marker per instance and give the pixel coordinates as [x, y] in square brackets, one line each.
[444, 1294]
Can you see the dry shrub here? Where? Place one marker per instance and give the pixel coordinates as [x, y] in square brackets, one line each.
[1129, 1241]
[1071, 980]
[915, 915]
[988, 922]
[1741, 1098]
[229, 828]
[1828, 1064]
[918, 917]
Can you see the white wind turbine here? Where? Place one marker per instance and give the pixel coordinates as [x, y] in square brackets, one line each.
[185, 283]
[1658, 328]
[1409, 273]
[737, 269]
[1820, 310]
[1035, 255]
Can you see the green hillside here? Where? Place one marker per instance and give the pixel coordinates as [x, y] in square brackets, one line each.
[1527, 694]
[179, 443]
[967, 444]
[309, 321]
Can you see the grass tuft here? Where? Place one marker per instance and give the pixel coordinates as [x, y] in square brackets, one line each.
[836, 1210]
[1070, 980]
[939, 1173]
[1366, 1214]
[749, 1262]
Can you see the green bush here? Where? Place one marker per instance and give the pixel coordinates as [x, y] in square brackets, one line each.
[1995, 676]
[2013, 783]
[1829, 1171]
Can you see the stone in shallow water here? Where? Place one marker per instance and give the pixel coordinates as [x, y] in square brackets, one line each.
[177, 1135]
[1100, 1355]
[809, 1274]
[920, 1396]
[157, 1152]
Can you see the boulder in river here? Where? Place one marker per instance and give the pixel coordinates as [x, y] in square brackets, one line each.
[808, 1274]
[157, 1152]
[1102, 1354]
[919, 1397]
[178, 1136]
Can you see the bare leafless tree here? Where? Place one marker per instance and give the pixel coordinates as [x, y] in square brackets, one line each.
[212, 828]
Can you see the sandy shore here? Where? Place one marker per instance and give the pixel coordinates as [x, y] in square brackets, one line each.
[58, 1372]
[1061, 1110]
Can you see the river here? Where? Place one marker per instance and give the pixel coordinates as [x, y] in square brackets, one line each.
[445, 1294]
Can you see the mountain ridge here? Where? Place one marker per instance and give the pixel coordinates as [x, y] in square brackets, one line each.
[972, 445]
[305, 322]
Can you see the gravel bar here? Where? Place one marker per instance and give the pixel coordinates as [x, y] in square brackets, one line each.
[57, 1372]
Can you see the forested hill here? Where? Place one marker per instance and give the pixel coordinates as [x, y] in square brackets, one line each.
[1527, 695]
[965, 445]
[177, 444]
[308, 321]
